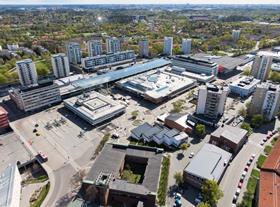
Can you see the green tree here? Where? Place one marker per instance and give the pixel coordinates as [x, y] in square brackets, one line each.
[178, 106]
[134, 114]
[178, 178]
[247, 71]
[200, 129]
[202, 204]
[3, 79]
[242, 112]
[211, 192]
[257, 120]
[247, 127]
[184, 147]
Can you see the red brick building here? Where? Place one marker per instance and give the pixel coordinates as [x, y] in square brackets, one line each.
[4, 122]
[269, 187]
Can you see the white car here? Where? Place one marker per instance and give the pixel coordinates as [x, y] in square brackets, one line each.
[191, 155]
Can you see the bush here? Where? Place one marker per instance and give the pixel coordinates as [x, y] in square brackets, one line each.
[247, 127]
[42, 196]
[161, 194]
[251, 185]
[261, 160]
[267, 149]
[257, 120]
[200, 129]
[255, 173]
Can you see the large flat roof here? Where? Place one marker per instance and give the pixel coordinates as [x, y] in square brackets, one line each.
[156, 84]
[119, 74]
[246, 82]
[225, 61]
[234, 134]
[93, 106]
[208, 163]
[111, 158]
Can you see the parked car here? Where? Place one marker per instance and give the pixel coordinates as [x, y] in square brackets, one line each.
[191, 155]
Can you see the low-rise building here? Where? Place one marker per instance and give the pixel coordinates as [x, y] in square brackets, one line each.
[180, 122]
[157, 86]
[94, 107]
[159, 134]
[36, 97]
[209, 163]
[229, 138]
[10, 187]
[4, 121]
[244, 87]
[105, 184]
[108, 60]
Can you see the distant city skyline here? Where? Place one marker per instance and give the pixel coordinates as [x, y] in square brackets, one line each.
[31, 2]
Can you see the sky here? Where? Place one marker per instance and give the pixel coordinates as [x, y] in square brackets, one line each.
[139, 1]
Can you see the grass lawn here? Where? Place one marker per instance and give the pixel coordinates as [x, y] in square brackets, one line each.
[105, 138]
[129, 176]
[42, 196]
[40, 179]
[261, 160]
[255, 173]
[251, 185]
[267, 149]
[161, 194]
[274, 140]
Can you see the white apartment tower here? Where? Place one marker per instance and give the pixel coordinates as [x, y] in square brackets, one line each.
[144, 48]
[168, 46]
[186, 46]
[265, 101]
[235, 34]
[27, 72]
[94, 48]
[60, 65]
[211, 100]
[74, 52]
[113, 45]
[261, 67]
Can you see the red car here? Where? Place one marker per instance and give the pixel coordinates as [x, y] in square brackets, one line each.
[240, 185]
[246, 168]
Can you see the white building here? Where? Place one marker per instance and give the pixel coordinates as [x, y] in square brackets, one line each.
[27, 72]
[168, 46]
[186, 46]
[1, 48]
[109, 60]
[235, 34]
[211, 101]
[74, 52]
[113, 45]
[94, 107]
[32, 98]
[60, 65]
[244, 87]
[265, 101]
[144, 48]
[94, 48]
[261, 67]
[10, 187]
[12, 47]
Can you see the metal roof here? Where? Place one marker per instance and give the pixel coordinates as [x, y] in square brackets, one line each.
[208, 163]
[119, 74]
